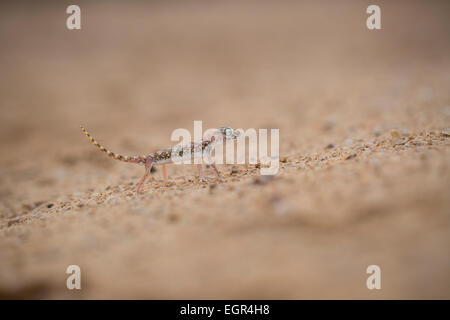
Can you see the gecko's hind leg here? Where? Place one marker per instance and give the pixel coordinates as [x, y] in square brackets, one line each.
[164, 169]
[200, 172]
[148, 167]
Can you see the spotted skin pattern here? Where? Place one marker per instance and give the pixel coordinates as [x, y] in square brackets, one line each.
[164, 157]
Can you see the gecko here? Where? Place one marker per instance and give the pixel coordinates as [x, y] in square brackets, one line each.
[197, 149]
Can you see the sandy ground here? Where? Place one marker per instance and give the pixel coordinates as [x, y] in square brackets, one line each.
[364, 143]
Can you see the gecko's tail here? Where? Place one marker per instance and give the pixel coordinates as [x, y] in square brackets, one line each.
[110, 153]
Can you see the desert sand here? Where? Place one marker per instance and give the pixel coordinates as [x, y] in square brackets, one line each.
[364, 177]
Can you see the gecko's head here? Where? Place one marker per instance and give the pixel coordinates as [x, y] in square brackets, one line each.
[229, 133]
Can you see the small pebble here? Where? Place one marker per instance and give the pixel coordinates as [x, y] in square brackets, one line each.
[445, 132]
[172, 217]
[329, 124]
[263, 179]
[378, 132]
[399, 141]
[279, 205]
[395, 134]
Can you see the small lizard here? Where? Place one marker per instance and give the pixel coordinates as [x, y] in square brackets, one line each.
[166, 156]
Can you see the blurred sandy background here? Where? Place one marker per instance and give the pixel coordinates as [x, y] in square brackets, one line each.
[363, 118]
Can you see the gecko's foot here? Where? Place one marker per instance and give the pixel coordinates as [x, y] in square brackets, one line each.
[169, 183]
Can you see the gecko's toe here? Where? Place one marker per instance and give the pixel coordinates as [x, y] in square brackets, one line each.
[169, 183]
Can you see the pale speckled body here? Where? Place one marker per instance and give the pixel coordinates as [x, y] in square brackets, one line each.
[196, 149]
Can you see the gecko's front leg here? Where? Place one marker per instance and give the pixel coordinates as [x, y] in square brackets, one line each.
[216, 172]
[212, 164]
